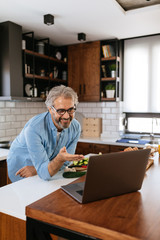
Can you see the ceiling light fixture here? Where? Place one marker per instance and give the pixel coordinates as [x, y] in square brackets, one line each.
[81, 36]
[48, 19]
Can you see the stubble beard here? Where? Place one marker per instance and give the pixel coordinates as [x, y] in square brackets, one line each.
[65, 125]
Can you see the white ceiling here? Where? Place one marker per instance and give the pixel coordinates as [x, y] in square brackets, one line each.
[99, 19]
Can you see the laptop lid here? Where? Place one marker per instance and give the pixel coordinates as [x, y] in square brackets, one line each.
[110, 175]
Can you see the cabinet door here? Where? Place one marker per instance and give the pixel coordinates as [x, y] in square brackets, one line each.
[84, 148]
[90, 71]
[74, 54]
[84, 70]
[3, 173]
[113, 148]
[103, 148]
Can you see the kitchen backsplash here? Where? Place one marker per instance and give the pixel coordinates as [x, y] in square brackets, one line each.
[14, 115]
[111, 114]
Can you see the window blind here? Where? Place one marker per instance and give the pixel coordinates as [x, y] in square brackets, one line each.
[142, 74]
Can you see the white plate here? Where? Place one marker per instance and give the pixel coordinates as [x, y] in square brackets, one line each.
[58, 55]
[27, 89]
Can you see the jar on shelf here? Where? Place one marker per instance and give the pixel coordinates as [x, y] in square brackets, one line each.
[40, 47]
[43, 96]
[42, 72]
[64, 75]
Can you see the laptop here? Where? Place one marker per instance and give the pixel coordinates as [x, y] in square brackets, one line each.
[110, 175]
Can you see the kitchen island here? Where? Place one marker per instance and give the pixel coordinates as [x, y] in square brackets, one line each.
[16, 196]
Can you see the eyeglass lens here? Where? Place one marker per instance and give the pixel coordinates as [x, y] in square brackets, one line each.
[63, 111]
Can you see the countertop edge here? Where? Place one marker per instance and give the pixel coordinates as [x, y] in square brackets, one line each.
[108, 141]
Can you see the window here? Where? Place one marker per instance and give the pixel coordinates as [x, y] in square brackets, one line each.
[142, 74]
[142, 84]
[143, 123]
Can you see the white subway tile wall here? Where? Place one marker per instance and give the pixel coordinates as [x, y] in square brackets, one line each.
[14, 115]
[110, 112]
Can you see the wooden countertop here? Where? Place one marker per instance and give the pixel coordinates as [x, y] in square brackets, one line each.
[130, 216]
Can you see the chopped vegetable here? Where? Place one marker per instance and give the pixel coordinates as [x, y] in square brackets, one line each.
[82, 162]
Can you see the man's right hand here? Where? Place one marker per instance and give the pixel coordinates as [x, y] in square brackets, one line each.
[65, 156]
[59, 160]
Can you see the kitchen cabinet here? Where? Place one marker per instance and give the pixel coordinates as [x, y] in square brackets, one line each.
[3, 173]
[84, 70]
[113, 148]
[85, 148]
[74, 68]
[111, 69]
[44, 66]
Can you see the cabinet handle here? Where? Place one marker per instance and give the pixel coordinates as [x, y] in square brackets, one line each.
[80, 89]
[84, 88]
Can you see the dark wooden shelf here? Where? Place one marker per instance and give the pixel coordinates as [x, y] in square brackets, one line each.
[110, 59]
[44, 56]
[108, 99]
[108, 79]
[44, 78]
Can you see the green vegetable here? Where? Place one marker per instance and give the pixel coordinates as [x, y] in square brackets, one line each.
[81, 162]
[75, 162]
[73, 174]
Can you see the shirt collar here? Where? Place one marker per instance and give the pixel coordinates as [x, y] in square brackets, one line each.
[52, 126]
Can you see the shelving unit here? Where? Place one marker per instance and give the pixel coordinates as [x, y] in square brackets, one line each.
[43, 70]
[110, 57]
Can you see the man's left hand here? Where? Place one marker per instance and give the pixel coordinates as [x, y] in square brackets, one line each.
[27, 171]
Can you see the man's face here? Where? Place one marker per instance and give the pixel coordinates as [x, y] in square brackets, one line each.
[62, 121]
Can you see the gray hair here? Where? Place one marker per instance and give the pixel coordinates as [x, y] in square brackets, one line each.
[66, 92]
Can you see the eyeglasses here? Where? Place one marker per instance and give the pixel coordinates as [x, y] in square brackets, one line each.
[61, 112]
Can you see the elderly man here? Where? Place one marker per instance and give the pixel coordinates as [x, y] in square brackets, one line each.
[48, 141]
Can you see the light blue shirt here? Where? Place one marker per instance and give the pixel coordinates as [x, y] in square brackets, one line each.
[37, 144]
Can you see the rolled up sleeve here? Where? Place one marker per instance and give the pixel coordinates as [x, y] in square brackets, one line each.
[37, 152]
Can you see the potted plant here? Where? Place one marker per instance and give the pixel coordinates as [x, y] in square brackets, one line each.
[110, 90]
[112, 68]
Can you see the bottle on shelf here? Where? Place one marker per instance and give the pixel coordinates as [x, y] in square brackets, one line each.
[31, 91]
[35, 90]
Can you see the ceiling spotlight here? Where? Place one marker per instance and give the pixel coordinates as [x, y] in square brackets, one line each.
[48, 19]
[81, 36]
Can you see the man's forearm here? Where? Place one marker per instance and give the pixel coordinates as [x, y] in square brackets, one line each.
[54, 165]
